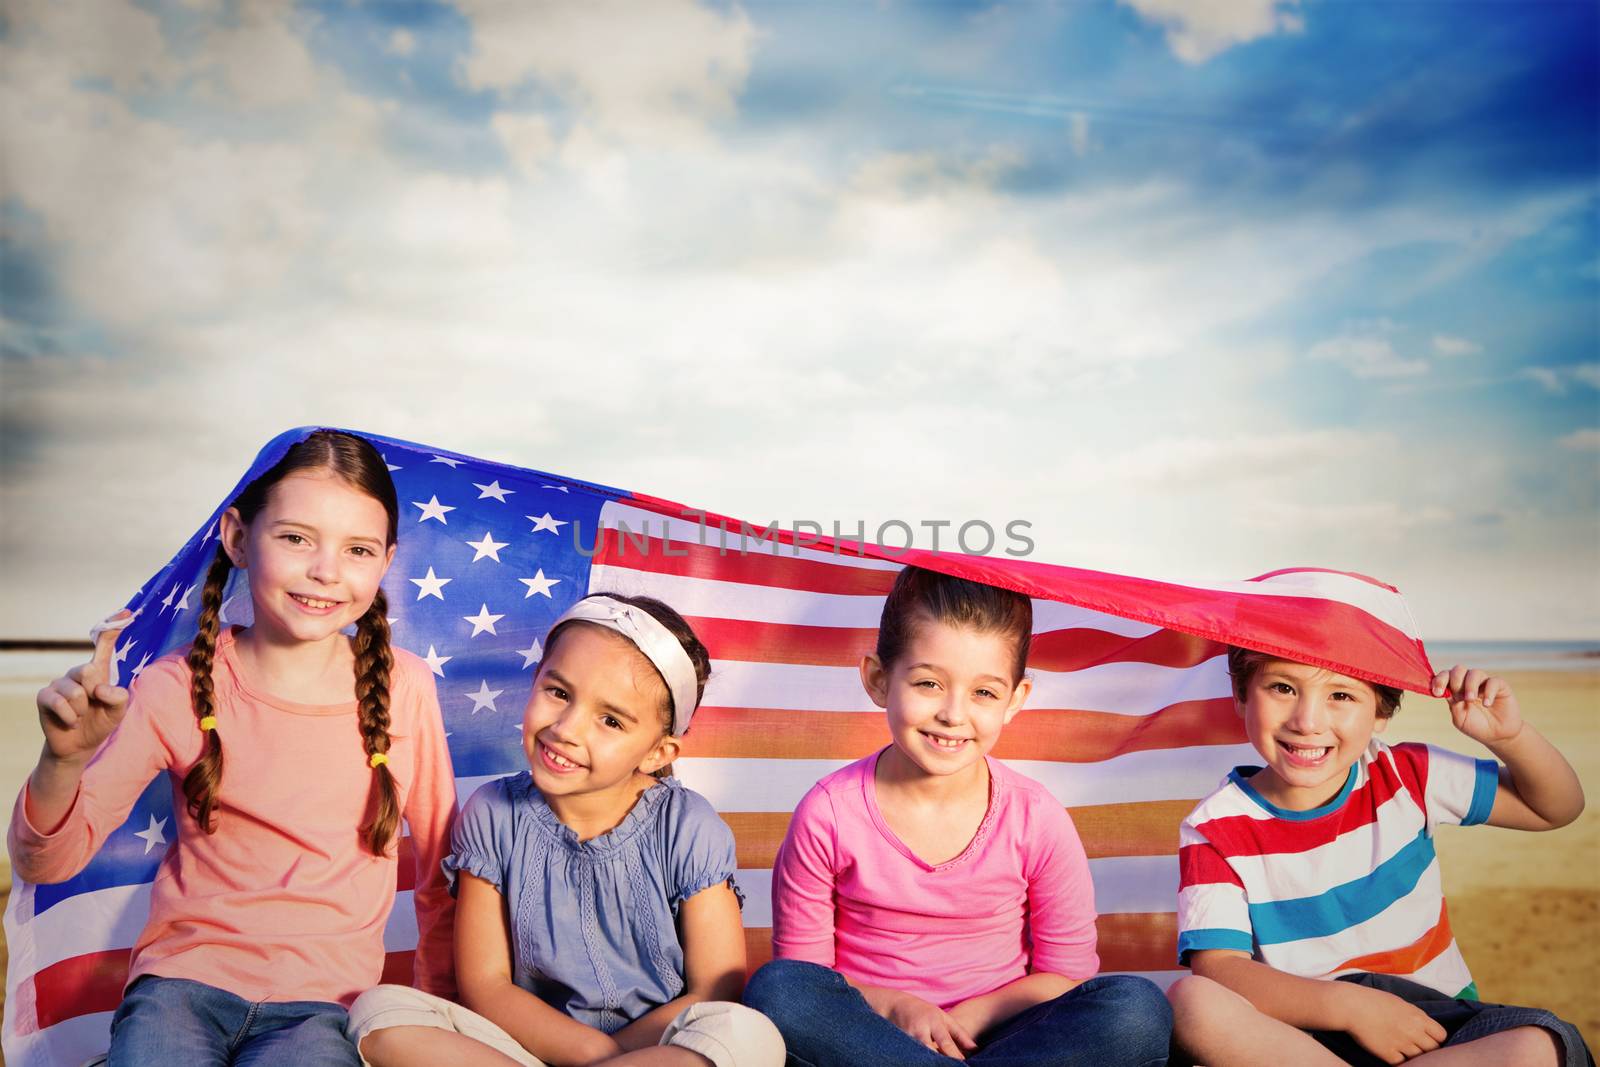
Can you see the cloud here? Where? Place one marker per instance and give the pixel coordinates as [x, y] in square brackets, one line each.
[1558, 380]
[401, 43]
[1582, 440]
[1197, 30]
[1445, 345]
[660, 70]
[1365, 349]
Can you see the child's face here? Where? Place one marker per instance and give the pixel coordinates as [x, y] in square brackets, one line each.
[594, 717]
[947, 696]
[1310, 726]
[315, 552]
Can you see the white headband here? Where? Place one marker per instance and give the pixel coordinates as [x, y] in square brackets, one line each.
[654, 640]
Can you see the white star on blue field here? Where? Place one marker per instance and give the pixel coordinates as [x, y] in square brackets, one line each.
[1200, 289]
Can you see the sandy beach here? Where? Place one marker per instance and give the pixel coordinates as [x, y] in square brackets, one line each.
[1525, 907]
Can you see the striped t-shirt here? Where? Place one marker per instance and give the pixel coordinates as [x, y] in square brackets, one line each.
[1350, 886]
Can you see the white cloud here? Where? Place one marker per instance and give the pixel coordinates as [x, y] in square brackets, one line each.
[1557, 380]
[1196, 30]
[1078, 132]
[1445, 345]
[659, 70]
[1582, 440]
[402, 43]
[1365, 349]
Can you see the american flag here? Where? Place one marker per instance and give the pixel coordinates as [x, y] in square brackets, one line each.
[1130, 721]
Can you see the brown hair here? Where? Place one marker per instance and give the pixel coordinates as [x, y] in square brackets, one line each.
[358, 464]
[676, 626]
[1243, 663]
[923, 594]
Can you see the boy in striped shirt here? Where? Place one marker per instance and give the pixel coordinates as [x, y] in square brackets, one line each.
[1320, 865]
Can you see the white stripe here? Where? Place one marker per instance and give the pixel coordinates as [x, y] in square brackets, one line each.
[1122, 884]
[1378, 602]
[706, 598]
[69, 1042]
[88, 922]
[1051, 615]
[1118, 688]
[1163, 774]
[1399, 924]
[709, 534]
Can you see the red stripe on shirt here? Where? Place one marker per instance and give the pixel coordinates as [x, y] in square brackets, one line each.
[1241, 835]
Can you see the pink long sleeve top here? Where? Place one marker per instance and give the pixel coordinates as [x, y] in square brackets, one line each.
[847, 893]
[283, 902]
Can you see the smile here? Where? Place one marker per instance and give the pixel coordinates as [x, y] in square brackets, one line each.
[313, 603]
[555, 761]
[1305, 755]
[949, 744]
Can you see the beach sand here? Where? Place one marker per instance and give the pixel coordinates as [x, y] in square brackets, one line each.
[1525, 907]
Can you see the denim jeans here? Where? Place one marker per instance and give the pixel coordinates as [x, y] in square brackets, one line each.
[1113, 1020]
[1463, 1021]
[173, 1022]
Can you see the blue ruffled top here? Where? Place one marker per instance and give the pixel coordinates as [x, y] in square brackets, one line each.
[593, 923]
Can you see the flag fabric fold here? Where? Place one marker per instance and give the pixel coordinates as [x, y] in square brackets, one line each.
[1130, 721]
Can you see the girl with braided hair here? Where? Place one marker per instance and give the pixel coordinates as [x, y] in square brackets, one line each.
[294, 750]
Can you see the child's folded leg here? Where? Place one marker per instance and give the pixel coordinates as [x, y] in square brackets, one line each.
[827, 1023]
[306, 1034]
[173, 1020]
[396, 1025]
[1469, 1022]
[1117, 1020]
[727, 1034]
[1213, 1024]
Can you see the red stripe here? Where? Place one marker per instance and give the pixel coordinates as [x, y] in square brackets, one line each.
[83, 985]
[744, 641]
[1067, 736]
[1204, 865]
[406, 877]
[1240, 835]
[1411, 761]
[691, 560]
[1324, 570]
[80, 985]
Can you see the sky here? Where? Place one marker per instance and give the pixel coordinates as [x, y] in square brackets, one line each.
[1197, 288]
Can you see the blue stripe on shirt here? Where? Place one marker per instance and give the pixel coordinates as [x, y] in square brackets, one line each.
[1484, 788]
[1211, 937]
[1347, 905]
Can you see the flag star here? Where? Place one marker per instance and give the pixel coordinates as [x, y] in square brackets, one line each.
[539, 584]
[122, 653]
[546, 522]
[386, 463]
[433, 510]
[487, 547]
[152, 834]
[451, 463]
[530, 655]
[483, 622]
[557, 488]
[432, 585]
[183, 601]
[436, 662]
[172, 594]
[484, 697]
[211, 531]
[143, 663]
[493, 489]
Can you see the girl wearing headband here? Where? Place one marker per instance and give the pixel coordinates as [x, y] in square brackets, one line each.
[293, 750]
[597, 920]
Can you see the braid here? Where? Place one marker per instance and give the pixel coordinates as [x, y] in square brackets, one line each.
[201, 783]
[374, 661]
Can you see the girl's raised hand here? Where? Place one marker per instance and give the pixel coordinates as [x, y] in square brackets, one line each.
[79, 710]
[1481, 706]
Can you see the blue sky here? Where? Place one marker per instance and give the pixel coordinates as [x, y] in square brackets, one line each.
[1199, 289]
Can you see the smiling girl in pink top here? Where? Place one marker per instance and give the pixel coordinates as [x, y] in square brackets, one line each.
[293, 751]
[930, 904]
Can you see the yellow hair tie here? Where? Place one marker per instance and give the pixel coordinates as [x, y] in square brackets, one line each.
[378, 759]
[208, 723]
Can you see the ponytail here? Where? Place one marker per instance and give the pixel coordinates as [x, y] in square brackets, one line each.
[374, 661]
[200, 784]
